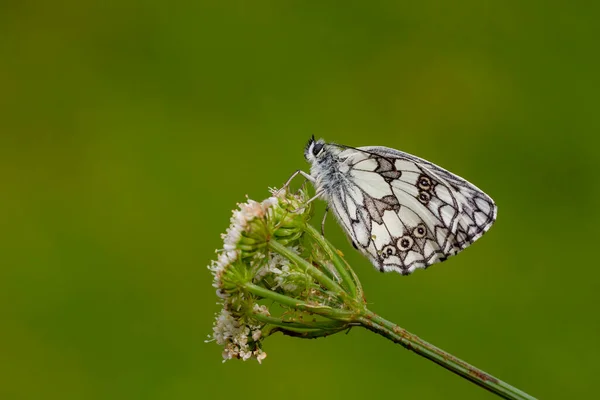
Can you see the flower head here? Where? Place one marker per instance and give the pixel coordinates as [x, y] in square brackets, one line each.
[245, 241]
[240, 338]
[266, 255]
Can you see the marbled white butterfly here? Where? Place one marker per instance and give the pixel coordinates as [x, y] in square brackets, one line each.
[399, 210]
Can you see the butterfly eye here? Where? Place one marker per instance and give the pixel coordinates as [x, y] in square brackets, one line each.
[419, 232]
[317, 147]
[405, 243]
[424, 183]
[424, 197]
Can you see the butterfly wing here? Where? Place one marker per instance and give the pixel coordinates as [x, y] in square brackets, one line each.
[404, 212]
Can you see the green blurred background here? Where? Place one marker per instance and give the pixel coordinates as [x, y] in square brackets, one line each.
[129, 130]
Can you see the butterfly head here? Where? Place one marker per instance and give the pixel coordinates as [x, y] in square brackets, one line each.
[314, 149]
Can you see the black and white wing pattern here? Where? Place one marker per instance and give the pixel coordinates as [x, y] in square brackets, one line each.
[401, 211]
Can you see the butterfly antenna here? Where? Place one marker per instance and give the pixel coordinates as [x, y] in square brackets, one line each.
[310, 141]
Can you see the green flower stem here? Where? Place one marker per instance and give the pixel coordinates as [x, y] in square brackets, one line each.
[349, 280]
[315, 325]
[310, 269]
[332, 313]
[302, 329]
[398, 335]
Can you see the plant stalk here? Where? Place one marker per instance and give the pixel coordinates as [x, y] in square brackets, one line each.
[375, 323]
[309, 268]
[349, 280]
[329, 312]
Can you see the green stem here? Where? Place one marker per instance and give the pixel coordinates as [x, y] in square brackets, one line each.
[398, 335]
[349, 279]
[332, 313]
[310, 269]
[323, 325]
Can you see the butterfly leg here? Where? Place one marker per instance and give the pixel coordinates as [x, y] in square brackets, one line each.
[295, 174]
[308, 202]
[323, 221]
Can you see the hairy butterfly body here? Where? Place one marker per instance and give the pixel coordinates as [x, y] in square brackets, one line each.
[399, 210]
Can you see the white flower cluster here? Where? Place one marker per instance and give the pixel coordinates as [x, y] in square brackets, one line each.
[239, 335]
[240, 219]
[240, 340]
[281, 271]
[217, 267]
[238, 223]
[247, 261]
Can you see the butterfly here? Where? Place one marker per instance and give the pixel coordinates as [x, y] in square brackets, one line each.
[399, 210]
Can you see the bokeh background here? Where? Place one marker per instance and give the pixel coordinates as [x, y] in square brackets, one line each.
[129, 130]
